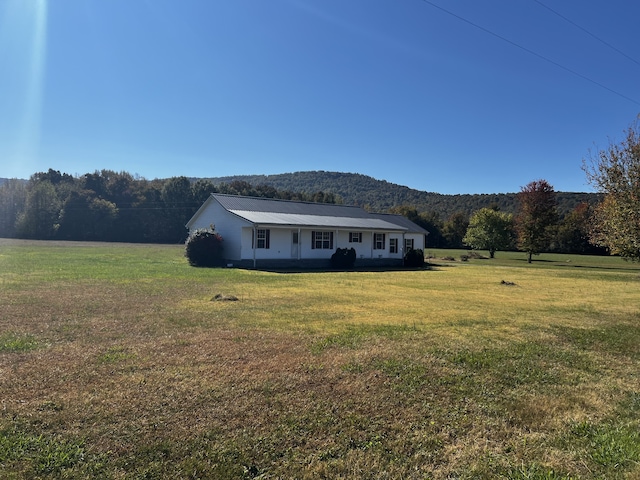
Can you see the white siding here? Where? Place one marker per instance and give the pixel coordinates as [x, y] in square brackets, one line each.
[363, 249]
[279, 244]
[418, 240]
[226, 224]
[305, 244]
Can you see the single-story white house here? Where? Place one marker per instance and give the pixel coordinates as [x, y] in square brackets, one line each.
[265, 232]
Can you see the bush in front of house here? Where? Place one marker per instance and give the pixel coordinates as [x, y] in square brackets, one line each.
[414, 258]
[343, 258]
[204, 248]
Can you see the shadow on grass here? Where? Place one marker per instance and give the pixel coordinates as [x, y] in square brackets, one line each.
[626, 267]
[426, 268]
[623, 268]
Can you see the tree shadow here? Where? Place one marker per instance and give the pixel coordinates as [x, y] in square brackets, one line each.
[364, 269]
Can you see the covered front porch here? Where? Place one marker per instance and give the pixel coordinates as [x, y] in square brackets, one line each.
[265, 245]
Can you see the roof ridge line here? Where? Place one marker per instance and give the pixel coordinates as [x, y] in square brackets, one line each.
[284, 200]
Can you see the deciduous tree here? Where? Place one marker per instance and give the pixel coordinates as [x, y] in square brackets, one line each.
[572, 235]
[13, 197]
[430, 221]
[85, 217]
[42, 209]
[455, 228]
[490, 230]
[537, 215]
[179, 206]
[616, 173]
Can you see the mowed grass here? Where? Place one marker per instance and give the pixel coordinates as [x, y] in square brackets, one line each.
[116, 362]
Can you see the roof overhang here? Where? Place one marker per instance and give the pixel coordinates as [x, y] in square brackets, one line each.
[301, 220]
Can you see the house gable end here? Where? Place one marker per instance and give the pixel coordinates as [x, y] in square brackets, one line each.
[192, 221]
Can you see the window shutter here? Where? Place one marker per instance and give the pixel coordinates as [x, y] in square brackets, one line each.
[313, 240]
[253, 238]
[266, 240]
[330, 240]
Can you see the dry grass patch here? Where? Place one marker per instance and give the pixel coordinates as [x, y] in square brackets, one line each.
[131, 371]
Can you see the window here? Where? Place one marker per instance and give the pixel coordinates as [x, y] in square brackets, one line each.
[322, 240]
[262, 238]
[378, 241]
[355, 237]
[408, 244]
[393, 245]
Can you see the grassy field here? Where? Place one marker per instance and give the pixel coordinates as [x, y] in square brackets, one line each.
[117, 362]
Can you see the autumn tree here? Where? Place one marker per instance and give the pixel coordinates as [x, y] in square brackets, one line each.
[616, 173]
[491, 230]
[537, 216]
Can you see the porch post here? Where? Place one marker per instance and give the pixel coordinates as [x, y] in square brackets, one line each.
[372, 239]
[255, 241]
[299, 243]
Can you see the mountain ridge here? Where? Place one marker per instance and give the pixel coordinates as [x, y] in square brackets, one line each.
[381, 195]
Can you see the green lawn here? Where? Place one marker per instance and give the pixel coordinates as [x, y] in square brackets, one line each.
[117, 362]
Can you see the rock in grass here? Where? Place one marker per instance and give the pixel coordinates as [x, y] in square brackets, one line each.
[224, 298]
[509, 284]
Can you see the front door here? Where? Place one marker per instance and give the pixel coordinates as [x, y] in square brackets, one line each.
[295, 244]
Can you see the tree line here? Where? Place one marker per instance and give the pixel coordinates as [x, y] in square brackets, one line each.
[535, 227]
[115, 206]
[118, 207]
[610, 226]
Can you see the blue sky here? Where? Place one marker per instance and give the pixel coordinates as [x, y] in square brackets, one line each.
[444, 101]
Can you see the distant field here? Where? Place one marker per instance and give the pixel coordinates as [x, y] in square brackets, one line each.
[116, 362]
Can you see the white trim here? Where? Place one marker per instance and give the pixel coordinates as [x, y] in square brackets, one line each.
[254, 243]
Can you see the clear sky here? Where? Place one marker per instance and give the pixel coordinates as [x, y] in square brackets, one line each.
[448, 96]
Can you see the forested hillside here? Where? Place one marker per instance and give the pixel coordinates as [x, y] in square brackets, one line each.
[5, 180]
[381, 196]
[115, 206]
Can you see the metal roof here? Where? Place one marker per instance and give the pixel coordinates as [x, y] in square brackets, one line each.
[301, 220]
[268, 211]
[270, 205]
[401, 221]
